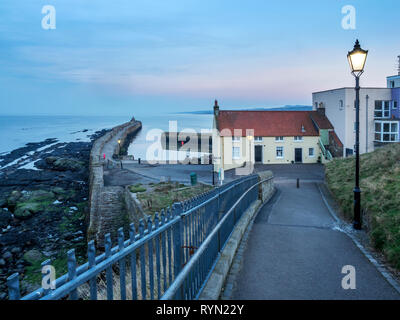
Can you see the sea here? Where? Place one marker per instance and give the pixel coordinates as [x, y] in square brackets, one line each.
[16, 131]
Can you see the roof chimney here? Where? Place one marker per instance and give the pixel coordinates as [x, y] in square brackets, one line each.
[398, 69]
[216, 108]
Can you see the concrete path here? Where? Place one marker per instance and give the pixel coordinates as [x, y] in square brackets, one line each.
[296, 251]
[174, 172]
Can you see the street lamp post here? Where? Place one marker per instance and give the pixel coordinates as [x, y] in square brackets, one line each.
[357, 58]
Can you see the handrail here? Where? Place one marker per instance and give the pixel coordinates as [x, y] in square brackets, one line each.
[179, 280]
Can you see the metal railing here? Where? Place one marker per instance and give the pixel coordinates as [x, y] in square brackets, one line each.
[190, 282]
[145, 265]
[326, 153]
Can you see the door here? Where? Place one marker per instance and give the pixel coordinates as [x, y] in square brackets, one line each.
[258, 153]
[298, 155]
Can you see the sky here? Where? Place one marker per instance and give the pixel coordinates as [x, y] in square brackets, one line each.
[131, 57]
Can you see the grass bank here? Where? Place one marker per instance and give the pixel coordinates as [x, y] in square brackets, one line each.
[155, 197]
[380, 197]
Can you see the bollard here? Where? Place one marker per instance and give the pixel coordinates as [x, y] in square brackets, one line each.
[298, 183]
[139, 160]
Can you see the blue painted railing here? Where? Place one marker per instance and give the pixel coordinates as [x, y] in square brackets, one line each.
[147, 264]
[190, 282]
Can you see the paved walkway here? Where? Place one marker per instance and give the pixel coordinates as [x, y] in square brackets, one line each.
[295, 251]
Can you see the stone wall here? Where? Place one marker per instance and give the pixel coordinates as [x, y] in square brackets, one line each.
[106, 204]
[133, 207]
[266, 189]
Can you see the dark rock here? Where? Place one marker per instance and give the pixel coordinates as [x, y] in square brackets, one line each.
[12, 199]
[7, 255]
[64, 164]
[5, 218]
[33, 256]
[15, 250]
[68, 236]
[27, 209]
[3, 201]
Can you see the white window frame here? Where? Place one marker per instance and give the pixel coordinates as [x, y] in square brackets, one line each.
[276, 152]
[236, 138]
[234, 155]
[298, 138]
[258, 139]
[385, 113]
[313, 152]
[391, 133]
[279, 139]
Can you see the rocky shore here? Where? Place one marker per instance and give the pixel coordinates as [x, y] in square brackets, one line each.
[43, 208]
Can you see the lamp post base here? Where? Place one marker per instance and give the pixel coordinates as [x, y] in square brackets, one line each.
[357, 209]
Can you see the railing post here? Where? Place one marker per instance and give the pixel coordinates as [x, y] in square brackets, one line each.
[92, 263]
[177, 232]
[178, 228]
[13, 287]
[71, 264]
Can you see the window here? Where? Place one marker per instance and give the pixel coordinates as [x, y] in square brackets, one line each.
[298, 138]
[311, 152]
[341, 105]
[235, 138]
[279, 152]
[258, 139]
[316, 105]
[235, 153]
[394, 104]
[382, 109]
[386, 131]
[278, 138]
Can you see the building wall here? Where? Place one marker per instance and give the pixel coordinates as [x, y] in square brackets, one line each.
[396, 97]
[395, 79]
[247, 151]
[289, 145]
[343, 118]
[334, 110]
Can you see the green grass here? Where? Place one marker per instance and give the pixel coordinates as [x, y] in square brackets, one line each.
[137, 188]
[380, 197]
[164, 194]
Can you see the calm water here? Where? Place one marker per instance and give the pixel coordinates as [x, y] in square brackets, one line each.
[16, 131]
[152, 124]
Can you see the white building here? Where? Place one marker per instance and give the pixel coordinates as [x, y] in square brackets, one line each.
[379, 118]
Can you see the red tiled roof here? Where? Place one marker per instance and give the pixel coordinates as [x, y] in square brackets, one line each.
[267, 123]
[321, 121]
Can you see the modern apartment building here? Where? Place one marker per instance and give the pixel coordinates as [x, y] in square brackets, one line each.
[379, 114]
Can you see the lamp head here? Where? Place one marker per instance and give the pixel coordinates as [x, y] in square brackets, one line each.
[357, 58]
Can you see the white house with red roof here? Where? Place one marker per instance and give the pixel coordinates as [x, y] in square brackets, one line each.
[244, 137]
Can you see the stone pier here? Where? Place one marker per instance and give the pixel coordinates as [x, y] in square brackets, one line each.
[107, 208]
